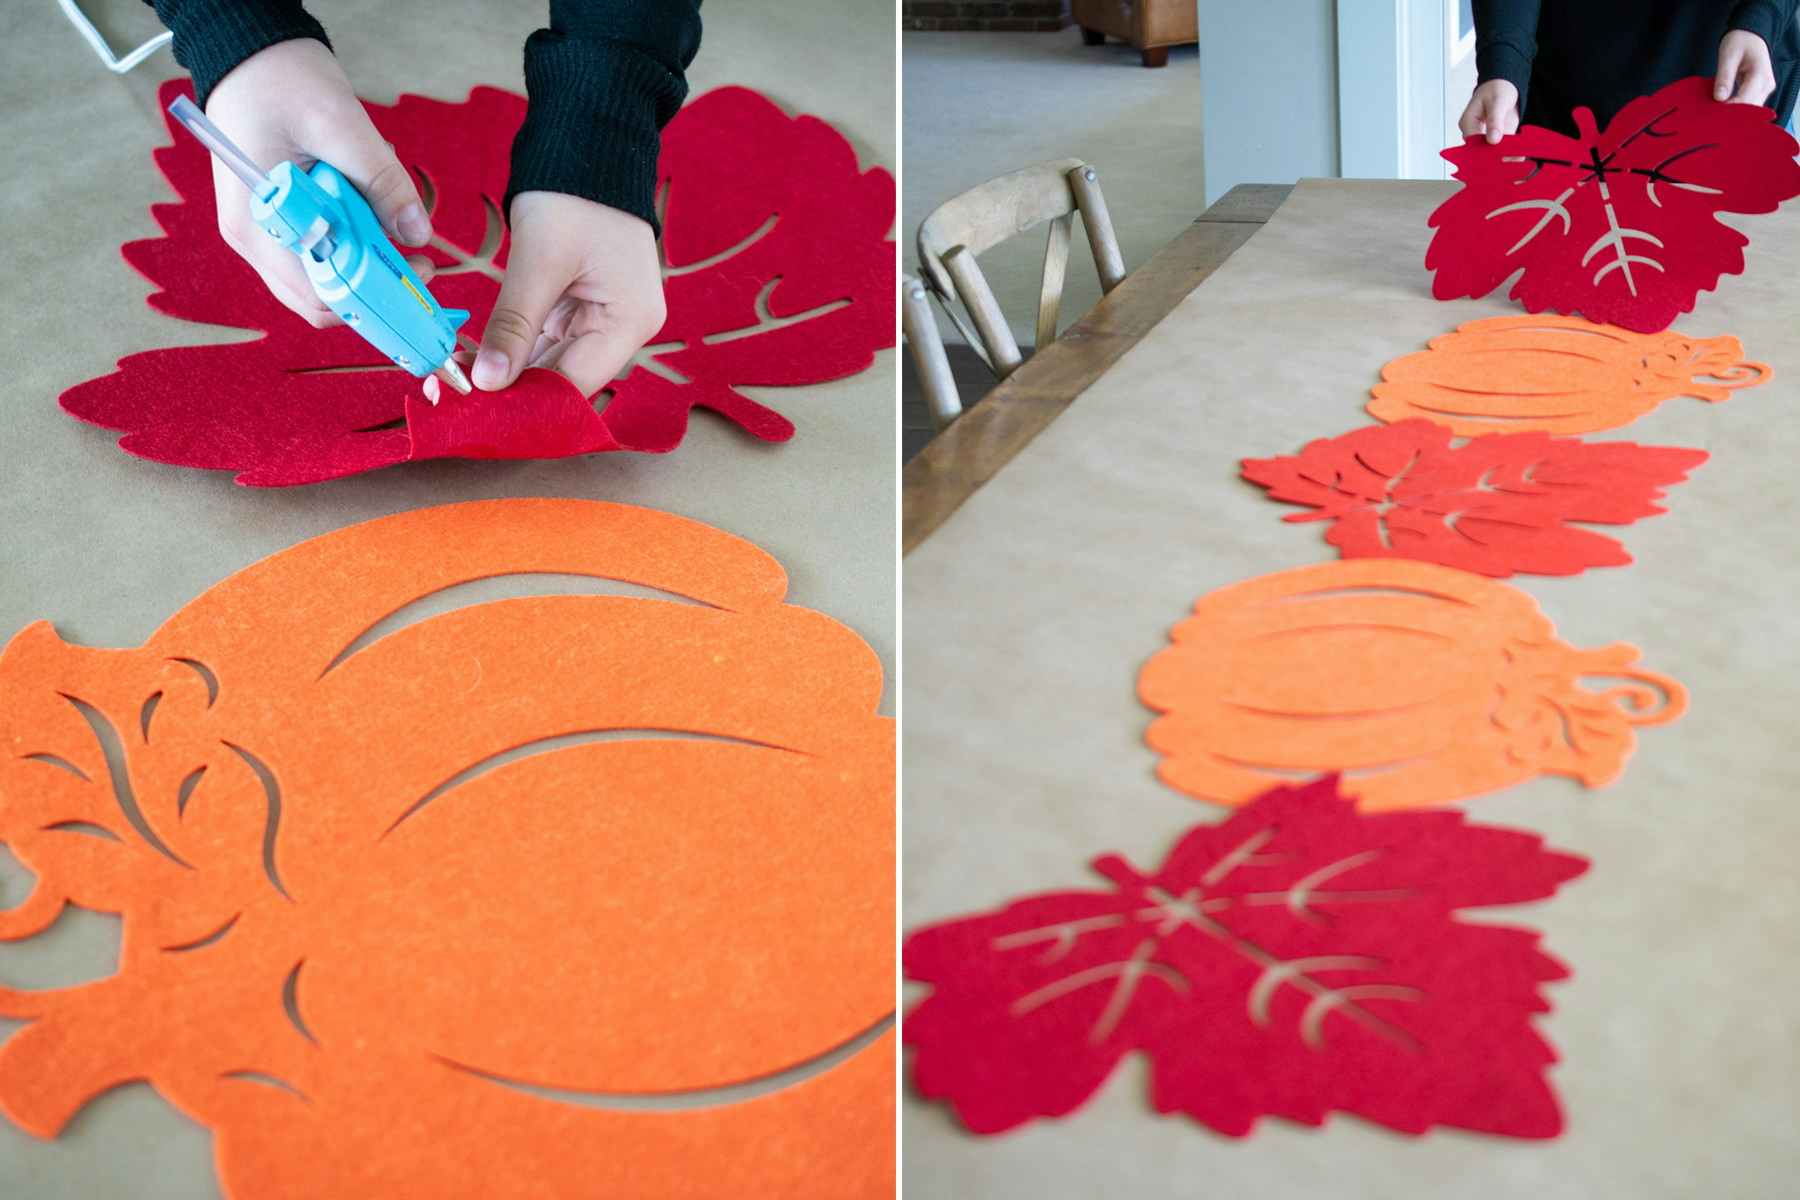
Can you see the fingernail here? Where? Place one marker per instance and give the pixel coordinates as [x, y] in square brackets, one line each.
[490, 370]
[414, 229]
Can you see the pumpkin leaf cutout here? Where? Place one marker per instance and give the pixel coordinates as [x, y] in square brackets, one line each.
[379, 876]
[1555, 375]
[1421, 684]
[1298, 958]
[778, 273]
[1505, 503]
[1618, 224]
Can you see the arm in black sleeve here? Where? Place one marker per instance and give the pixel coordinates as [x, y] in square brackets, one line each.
[603, 80]
[1765, 18]
[1506, 42]
[213, 36]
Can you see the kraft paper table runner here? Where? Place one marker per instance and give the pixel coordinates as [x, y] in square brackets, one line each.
[1030, 612]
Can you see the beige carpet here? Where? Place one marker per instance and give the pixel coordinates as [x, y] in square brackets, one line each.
[976, 105]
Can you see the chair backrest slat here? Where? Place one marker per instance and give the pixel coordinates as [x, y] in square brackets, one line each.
[1056, 264]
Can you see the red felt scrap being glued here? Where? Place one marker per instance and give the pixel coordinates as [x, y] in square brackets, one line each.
[1298, 958]
[1500, 504]
[778, 272]
[1617, 224]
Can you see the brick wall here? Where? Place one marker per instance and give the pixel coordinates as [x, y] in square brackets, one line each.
[1021, 16]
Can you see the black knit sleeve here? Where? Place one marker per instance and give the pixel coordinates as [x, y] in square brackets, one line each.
[213, 36]
[603, 80]
[1765, 18]
[1506, 42]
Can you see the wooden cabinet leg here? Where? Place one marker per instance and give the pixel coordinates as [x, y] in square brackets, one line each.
[1092, 37]
[1156, 56]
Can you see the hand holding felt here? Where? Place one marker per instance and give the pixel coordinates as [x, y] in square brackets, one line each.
[1618, 224]
[1298, 958]
[603, 844]
[777, 267]
[1422, 684]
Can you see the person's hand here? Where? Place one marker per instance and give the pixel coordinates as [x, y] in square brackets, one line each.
[582, 294]
[1493, 110]
[1745, 74]
[292, 101]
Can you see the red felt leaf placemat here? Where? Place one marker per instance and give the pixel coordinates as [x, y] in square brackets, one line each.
[1296, 959]
[779, 273]
[380, 871]
[1618, 224]
[1422, 684]
[1505, 503]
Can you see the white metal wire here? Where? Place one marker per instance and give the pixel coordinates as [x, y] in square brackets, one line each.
[114, 63]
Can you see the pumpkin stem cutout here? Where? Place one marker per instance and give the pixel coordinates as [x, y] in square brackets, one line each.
[1555, 374]
[1422, 684]
[382, 865]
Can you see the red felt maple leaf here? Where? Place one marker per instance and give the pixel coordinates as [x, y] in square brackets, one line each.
[1499, 504]
[1298, 958]
[778, 272]
[1616, 224]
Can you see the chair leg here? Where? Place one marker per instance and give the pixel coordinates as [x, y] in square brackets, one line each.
[1092, 37]
[1156, 56]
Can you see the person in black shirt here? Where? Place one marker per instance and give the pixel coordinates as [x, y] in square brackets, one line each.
[583, 286]
[1536, 61]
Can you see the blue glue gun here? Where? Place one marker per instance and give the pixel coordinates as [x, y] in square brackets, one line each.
[355, 270]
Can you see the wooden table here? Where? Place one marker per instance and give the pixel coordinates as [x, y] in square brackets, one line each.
[1030, 613]
[970, 452]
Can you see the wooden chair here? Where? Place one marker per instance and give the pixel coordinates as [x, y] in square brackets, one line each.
[921, 330]
[983, 217]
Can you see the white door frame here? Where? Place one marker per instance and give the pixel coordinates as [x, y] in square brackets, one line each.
[1393, 57]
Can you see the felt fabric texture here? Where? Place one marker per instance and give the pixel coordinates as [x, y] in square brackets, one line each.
[779, 273]
[1422, 684]
[1555, 374]
[606, 844]
[1618, 224]
[1297, 958]
[1496, 505]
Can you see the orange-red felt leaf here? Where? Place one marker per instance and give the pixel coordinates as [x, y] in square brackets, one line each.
[1619, 224]
[1421, 684]
[1496, 505]
[1556, 375]
[778, 272]
[627, 850]
[1296, 959]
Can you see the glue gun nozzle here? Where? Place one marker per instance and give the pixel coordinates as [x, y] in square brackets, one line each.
[453, 375]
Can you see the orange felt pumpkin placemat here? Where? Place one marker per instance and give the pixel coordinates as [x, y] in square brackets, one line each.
[373, 888]
[1556, 375]
[1423, 684]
